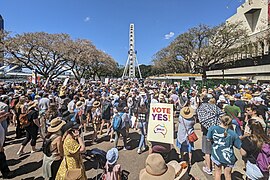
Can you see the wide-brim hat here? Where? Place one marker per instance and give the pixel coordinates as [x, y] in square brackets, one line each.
[256, 94]
[79, 104]
[112, 156]
[70, 125]
[187, 112]
[180, 168]
[142, 93]
[62, 93]
[56, 124]
[156, 169]
[32, 104]
[96, 104]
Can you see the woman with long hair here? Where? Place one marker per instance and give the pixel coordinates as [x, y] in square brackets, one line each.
[73, 145]
[250, 149]
[223, 139]
[32, 128]
[52, 159]
[20, 108]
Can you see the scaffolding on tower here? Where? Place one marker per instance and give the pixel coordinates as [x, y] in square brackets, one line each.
[132, 61]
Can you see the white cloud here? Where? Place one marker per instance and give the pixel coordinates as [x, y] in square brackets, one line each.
[169, 35]
[86, 19]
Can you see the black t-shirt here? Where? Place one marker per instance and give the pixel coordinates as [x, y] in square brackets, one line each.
[33, 114]
[251, 149]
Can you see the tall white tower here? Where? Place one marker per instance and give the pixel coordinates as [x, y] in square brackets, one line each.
[132, 62]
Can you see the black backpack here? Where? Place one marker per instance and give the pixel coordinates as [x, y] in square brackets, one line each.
[46, 146]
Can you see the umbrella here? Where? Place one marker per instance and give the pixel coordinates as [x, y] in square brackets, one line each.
[208, 115]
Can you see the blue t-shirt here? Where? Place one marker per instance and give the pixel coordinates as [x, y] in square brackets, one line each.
[222, 147]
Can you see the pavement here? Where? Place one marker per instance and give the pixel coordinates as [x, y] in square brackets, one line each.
[28, 166]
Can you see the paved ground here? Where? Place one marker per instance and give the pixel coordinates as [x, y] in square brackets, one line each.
[28, 167]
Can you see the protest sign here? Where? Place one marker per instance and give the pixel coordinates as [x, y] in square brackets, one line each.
[160, 127]
[106, 80]
[66, 81]
[82, 81]
[34, 77]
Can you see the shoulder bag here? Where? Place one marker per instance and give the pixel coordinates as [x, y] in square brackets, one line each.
[192, 137]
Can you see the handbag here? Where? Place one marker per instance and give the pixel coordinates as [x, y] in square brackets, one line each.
[73, 174]
[192, 137]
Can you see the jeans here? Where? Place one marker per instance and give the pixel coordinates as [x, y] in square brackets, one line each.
[142, 126]
[117, 134]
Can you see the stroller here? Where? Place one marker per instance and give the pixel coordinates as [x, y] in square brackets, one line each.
[99, 156]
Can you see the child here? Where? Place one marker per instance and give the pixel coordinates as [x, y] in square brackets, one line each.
[112, 169]
[222, 149]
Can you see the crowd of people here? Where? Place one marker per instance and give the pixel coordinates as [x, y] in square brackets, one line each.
[229, 116]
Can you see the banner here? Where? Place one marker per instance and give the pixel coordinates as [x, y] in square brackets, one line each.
[160, 127]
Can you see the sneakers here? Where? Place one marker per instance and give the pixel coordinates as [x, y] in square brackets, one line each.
[140, 150]
[126, 148]
[20, 153]
[207, 171]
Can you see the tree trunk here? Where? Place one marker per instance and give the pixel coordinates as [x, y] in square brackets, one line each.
[204, 77]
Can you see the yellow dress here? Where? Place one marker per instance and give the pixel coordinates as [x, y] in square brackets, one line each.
[73, 157]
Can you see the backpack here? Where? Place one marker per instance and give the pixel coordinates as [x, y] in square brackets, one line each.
[46, 146]
[105, 108]
[117, 122]
[23, 118]
[263, 159]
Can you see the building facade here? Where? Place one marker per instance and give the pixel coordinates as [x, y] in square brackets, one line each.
[254, 62]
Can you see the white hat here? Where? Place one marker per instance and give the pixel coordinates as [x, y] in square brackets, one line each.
[258, 99]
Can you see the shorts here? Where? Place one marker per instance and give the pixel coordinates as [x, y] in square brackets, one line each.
[185, 146]
[206, 145]
[221, 164]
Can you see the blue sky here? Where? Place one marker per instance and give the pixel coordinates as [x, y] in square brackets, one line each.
[106, 22]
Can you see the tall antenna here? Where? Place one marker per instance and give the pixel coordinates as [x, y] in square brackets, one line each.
[130, 68]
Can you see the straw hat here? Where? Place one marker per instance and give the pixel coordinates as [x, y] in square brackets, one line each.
[180, 169]
[62, 93]
[187, 112]
[96, 104]
[156, 168]
[256, 93]
[56, 124]
[142, 93]
[79, 104]
[32, 104]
